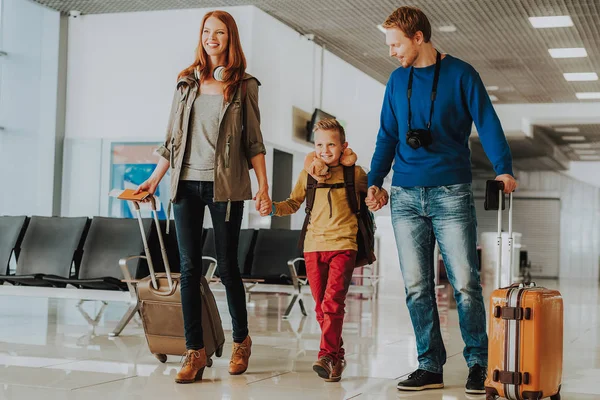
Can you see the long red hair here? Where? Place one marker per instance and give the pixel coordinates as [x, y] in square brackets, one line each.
[235, 61]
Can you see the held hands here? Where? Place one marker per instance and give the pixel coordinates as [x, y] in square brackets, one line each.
[510, 184]
[263, 202]
[376, 198]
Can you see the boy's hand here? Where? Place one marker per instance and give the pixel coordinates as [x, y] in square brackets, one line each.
[376, 198]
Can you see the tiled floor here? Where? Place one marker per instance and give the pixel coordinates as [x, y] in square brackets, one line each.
[49, 352]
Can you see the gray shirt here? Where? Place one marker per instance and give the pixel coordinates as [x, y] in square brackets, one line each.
[199, 158]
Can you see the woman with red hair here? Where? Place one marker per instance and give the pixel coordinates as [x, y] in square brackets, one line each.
[212, 141]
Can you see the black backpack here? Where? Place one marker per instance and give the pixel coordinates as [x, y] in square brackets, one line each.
[365, 237]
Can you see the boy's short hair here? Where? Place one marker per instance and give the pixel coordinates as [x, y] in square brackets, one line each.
[331, 124]
[409, 20]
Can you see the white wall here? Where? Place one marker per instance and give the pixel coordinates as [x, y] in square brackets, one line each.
[122, 68]
[579, 219]
[580, 222]
[585, 171]
[28, 107]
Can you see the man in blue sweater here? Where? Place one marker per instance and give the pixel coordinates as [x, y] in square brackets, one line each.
[429, 108]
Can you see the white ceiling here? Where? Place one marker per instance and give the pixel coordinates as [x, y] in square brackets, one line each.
[495, 36]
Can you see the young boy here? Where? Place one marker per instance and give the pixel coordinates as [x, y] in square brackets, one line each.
[330, 244]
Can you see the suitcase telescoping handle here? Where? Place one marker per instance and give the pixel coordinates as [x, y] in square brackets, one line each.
[163, 250]
[510, 235]
[495, 201]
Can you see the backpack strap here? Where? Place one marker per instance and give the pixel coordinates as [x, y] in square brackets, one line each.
[350, 189]
[311, 189]
[340, 185]
[353, 202]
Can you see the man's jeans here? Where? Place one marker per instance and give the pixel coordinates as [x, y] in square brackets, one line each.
[420, 215]
[193, 197]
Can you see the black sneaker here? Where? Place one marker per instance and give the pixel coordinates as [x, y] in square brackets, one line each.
[476, 380]
[421, 380]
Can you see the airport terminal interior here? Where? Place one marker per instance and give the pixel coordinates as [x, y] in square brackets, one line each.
[85, 92]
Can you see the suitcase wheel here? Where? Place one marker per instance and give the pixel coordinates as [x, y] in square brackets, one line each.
[219, 351]
[534, 397]
[209, 362]
[490, 393]
[555, 397]
[161, 357]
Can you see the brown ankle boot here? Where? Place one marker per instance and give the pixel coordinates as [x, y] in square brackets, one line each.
[338, 369]
[240, 356]
[323, 367]
[193, 367]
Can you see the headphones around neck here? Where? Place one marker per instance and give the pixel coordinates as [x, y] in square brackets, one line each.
[218, 73]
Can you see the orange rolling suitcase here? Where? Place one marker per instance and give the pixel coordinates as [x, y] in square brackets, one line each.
[525, 353]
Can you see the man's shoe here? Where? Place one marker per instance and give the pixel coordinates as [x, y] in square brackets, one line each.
[422, 380]
[240, 355]
[193, 367]
[336, 372]
[476, 380]
[324, 367]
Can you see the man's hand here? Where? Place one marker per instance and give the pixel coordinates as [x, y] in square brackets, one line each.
[510, 184]
[376, 198]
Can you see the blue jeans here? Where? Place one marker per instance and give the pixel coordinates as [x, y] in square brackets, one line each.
[192, 198]
[420, 215]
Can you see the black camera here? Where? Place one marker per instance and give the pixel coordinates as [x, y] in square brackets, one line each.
[416, 138]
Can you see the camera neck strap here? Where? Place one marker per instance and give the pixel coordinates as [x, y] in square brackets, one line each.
[436, 77]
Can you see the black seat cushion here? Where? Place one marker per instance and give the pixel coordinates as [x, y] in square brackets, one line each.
[273, 249]
[12, 230]
[50, 247]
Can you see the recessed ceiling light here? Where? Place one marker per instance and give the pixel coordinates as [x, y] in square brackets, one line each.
[573, 138]
[492, 88]
[551, 22]
[588, 95]
[381, 28]
[573, 52]
[583, 152]
[447, 28]
[581, 76]
[493, 98]
[566, 129]
[589, 158]
[581, 145]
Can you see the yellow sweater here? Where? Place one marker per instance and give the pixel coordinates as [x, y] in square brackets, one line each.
[331, 228]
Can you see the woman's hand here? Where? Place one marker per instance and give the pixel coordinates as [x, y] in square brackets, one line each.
[149, 186]
[151, 183]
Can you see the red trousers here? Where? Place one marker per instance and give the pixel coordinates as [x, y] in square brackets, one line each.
[329, 274]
